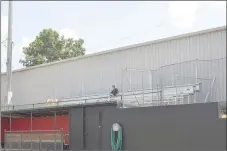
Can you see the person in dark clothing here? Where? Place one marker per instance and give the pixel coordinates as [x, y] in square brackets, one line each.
[114, 91]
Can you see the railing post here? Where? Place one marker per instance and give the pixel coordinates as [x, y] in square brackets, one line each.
[21, 141]
[188, 99]
[55, 135]
[143, 87]
[121, 101]
[122, 79]
[196, 79]
[10, 122]
[160, 84]
[150, 81]
[31, 130]
[55, 141]
[176, 90]
[40, 143]
[62, 139]
[6, 142]
[210, 88]
[55, 122]
[10, 144]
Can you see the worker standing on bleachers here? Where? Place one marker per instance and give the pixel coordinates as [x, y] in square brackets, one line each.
[113, 94]
[114, 91]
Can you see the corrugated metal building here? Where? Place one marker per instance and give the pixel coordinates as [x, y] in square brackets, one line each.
[204, 51]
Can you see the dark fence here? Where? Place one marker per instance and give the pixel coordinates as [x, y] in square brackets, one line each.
[179, 127]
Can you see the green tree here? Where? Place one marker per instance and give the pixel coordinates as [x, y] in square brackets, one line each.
[49, 46]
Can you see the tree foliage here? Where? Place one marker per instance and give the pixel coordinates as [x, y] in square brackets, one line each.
[49, 46]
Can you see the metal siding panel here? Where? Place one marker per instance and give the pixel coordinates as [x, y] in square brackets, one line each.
[96, 74]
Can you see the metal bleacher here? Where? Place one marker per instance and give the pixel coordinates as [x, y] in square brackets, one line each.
[167, 96]
[137, 98]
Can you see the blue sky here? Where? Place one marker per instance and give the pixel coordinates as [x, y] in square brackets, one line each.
[106, 25]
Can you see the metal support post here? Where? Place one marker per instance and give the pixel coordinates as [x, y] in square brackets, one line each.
[10, 122]
[130, 80]
[196, 80]
[158, 95]
[55, 135]
[143, 88]
[0, 94]
[40, 143]
[10, 127]
[9, 54]
[161, 88]
[122, 79]
[210, 89]
[31, 128]
[21, 141]
[54, 120]
[130, 76]
[188, 99]
[150, 80]
[31, 121]
[62, 139]
[176, 90]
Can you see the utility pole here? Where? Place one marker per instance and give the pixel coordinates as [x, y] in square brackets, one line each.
[1, 89]
[9, 64]
[9, 54]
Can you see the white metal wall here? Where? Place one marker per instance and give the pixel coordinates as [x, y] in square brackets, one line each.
[95, 74]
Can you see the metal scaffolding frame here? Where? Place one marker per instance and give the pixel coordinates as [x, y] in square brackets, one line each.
[33, 113]
[51, 111]
[160, 86]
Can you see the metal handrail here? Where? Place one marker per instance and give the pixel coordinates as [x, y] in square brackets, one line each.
[64, 101]
[55, 104]
[34, 131]
[79, 101]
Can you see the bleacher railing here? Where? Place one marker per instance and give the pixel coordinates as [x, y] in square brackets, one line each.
[138, 98]
[62, 103]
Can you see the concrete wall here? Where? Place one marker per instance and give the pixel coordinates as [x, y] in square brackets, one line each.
[94, 74]
[179, 128]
